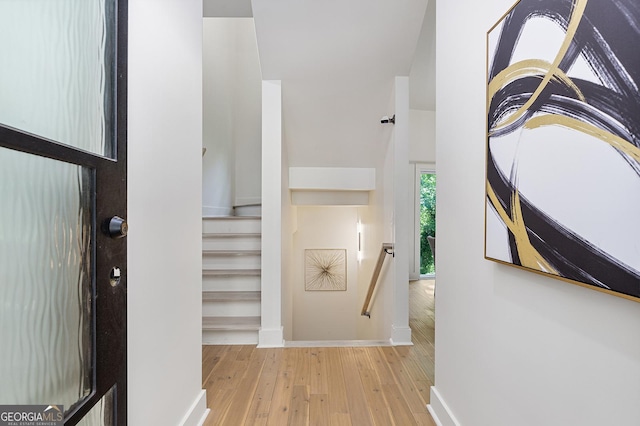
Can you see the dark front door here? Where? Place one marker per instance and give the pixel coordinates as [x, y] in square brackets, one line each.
[62, 195]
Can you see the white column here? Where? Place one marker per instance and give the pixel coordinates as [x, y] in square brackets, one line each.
[400, 331]
[271, 332]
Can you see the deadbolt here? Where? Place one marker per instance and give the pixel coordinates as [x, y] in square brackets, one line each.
[118, 227]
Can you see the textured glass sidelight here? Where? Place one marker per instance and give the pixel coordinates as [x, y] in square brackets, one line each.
[58, 70]
[45, 280]
[103, 413]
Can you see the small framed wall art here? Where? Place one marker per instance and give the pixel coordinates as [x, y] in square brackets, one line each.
[325, 269]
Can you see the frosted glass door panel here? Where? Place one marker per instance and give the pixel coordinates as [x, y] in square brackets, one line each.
[57, 74]
[102, 414]
[45, 280]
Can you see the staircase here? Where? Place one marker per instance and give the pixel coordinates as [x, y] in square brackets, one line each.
[231, 280]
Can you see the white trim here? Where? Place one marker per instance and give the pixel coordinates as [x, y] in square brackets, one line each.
[416, 216]
[210, 211]
[332, 178]
[271, 338]
[198, 411]
[440, 411]
[247, 201]
[414, 212]
[329, 198]
[334, 343]
[426, 168]
[434, 416]
[401, 336]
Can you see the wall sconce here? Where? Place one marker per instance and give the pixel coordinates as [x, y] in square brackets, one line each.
[359, 228]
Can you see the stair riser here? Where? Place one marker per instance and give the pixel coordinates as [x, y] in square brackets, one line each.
[230, 319]
[242, 211]
[210, 261]
[229, 308]
[231, 226]
[235, 337]
[231, 283]
[235, 243]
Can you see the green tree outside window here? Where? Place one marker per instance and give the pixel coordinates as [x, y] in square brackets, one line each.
[427, 221]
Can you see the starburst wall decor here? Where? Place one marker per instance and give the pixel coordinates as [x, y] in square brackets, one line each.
[325, 269]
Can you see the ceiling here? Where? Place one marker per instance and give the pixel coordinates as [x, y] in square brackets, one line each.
[337, 61]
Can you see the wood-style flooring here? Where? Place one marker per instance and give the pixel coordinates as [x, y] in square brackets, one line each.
[326, 386]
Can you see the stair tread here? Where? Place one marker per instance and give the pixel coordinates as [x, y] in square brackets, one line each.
[231, 272]
[222, 218]
[230, 295]
[230, 323]
[231, 234]
[232, 252]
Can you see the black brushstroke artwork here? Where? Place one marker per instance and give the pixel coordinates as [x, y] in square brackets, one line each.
[608, 38]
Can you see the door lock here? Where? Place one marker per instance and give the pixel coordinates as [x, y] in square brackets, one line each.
[117, 227]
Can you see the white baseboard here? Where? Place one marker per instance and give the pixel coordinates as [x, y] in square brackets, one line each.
[210, 211]
[198, 411]
[401, 336]
[440, 411]
[334, 343]
[271, 338]
[434, 416]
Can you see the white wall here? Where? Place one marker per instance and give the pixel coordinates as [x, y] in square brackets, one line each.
[377, 229]
[232, 115]
[513, 348]
[164, 266]
[247, 116]
[219, 71]
[422, 136]
[325, 315]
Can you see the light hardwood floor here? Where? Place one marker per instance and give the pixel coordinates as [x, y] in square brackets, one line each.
[326, 386]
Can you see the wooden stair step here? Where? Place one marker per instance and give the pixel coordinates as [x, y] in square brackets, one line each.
[231, 272]
[230, 296]
[231, 323]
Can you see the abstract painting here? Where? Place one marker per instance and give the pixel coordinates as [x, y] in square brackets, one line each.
[325, 269]
[563, 142]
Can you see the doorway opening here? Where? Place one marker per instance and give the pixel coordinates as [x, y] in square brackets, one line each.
[427, 222]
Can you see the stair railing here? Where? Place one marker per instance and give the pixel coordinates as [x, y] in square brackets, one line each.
[386, 249]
